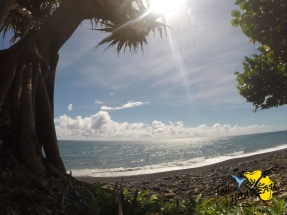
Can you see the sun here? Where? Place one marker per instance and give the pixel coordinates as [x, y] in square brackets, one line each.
[165, 6]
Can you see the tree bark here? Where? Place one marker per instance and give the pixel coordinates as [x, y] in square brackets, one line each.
[30, 150]
[6, 80]
[60, 26]
[47, 128]
[50, 82]
[27, 84]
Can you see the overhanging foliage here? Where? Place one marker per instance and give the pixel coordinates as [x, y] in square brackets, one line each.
[263, 81]
[127, 22]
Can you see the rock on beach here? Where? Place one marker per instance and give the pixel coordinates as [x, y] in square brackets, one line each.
[204, 180]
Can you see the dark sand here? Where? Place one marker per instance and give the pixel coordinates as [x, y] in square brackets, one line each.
[230, 162]
[202, 180]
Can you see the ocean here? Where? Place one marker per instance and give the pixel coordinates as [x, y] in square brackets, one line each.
[124, 158]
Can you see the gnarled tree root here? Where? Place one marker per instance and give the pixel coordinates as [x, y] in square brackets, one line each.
[26, 100]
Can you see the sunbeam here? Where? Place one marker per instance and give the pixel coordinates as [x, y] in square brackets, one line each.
[166, 6]
[180, 66]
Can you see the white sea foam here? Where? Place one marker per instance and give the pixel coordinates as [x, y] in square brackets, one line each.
[164, 167]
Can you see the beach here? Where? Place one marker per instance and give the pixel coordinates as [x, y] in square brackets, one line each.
[201, 180]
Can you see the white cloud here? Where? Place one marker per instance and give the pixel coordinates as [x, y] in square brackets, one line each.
[98, 102]
[100, 126]
[157, 124]
[99, 119]
[127, 105]
[70, 107]
[78, 123]
[111, 94]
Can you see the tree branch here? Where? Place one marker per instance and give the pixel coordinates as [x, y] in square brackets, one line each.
[60, 26]
[5, 7]
[23, 12]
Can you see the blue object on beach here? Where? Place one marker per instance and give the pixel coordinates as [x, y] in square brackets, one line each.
[239, 181]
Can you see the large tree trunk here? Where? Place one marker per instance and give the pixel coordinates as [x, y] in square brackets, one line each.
[27, 75]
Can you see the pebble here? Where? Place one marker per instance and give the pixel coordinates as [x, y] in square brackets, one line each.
[205, 182]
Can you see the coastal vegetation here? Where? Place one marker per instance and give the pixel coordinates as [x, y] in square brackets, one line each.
[34, 181]
[263, 80]
[22, 192]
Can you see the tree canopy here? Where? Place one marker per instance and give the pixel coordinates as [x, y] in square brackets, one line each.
[263, 80]
[128, 22]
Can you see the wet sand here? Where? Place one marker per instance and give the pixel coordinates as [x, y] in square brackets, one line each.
[198, 180]
[230, 163]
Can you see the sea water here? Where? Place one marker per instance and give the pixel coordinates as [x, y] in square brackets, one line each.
[124, 158]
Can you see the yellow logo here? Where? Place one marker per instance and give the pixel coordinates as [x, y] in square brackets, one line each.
[263, 184]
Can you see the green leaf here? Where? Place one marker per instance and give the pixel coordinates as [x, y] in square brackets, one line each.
[236, 14]
[282, 68]
[234, 22]
[153, 198]
[242, 5]
[239, 1]
[95, 207]
[270, 56]
[7, 175]
[245, 30]
[266, 47]
[281, 205]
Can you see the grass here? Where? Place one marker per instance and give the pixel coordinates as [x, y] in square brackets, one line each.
[24, 193]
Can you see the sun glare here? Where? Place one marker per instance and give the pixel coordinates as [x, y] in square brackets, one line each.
[165, 6]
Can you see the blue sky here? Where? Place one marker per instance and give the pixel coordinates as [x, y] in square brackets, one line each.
[183, 86]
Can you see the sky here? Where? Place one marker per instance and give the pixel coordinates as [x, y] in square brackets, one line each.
[181, 86]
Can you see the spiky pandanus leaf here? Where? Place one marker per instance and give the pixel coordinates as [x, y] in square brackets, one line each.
[129, 22]
[27, 15]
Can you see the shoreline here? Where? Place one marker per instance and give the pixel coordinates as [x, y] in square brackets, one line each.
[233, 161]
[200, 180]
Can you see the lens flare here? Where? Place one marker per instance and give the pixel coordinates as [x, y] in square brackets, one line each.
[165, 6]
